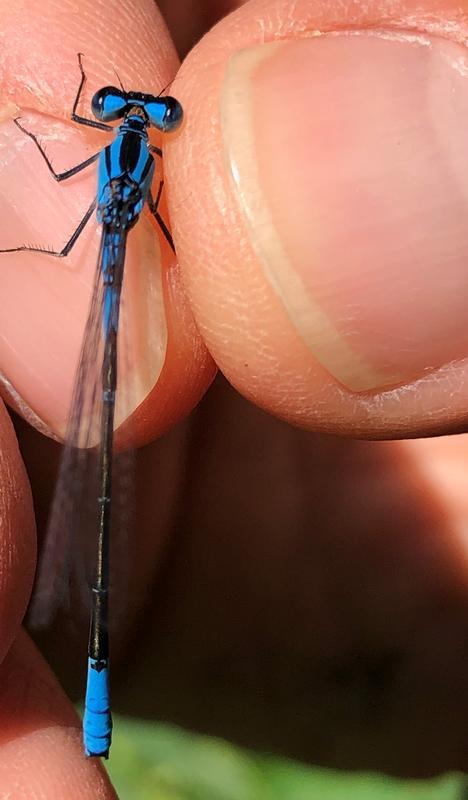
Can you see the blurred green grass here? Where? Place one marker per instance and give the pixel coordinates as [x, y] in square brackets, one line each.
[160, 762]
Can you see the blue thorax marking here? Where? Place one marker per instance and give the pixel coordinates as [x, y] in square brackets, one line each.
[125, 172]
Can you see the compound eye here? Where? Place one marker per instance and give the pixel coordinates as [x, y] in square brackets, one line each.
[174, 114]
[109, 104]
[165, 113]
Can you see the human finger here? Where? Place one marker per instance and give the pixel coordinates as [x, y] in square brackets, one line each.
[319, 206]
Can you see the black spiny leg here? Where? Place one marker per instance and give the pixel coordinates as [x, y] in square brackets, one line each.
[59, 176]
[62, 176]
[92, 123]
[66, 249]
[153, 207]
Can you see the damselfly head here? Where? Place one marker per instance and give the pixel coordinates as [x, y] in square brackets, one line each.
[110, 104]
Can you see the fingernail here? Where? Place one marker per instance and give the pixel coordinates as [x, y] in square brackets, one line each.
[349, 158]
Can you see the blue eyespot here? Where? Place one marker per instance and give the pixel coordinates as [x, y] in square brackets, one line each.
[109, 104]
[165, 113]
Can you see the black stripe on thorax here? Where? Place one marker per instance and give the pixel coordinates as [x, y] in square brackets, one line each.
[130, 149]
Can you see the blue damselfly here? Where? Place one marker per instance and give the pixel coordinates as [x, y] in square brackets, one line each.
[125, 174]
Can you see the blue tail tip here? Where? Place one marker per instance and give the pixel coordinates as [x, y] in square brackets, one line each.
[97, 721]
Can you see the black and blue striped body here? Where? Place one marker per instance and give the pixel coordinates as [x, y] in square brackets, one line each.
[125, 173]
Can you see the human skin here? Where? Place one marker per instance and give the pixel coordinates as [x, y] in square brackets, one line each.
[302, 593]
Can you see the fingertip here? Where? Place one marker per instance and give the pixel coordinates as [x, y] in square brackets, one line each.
[41, 750]
[17, 535]
[317, 247]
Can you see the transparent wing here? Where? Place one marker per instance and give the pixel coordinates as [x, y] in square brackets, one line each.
[66, 566]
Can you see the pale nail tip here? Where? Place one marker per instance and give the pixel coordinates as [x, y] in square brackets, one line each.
[16, 402]
[372, 383]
